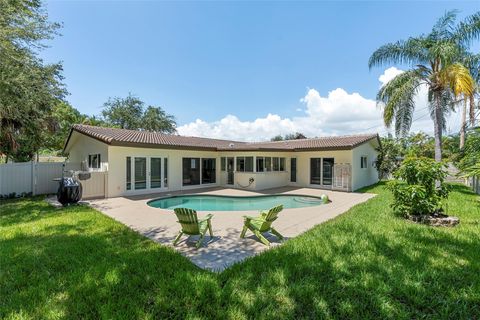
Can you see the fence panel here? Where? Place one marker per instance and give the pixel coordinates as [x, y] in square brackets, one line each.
[16, 178]
[34, 177]
[45, 172]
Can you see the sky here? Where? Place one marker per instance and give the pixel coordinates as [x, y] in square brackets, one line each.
[242, 70]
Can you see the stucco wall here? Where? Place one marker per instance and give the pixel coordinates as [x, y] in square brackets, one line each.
[114, 158]
[80, 146]
[117, 171]
[364, 177]
[303, 163]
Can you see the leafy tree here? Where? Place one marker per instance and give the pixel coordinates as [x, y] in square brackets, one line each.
[130, 113]
[62, 117]
[28, 87]
[420, 188]
[157, 120]
[469, 161]
[436, 62]
[125, 113]
[290, 136]
[389, 158]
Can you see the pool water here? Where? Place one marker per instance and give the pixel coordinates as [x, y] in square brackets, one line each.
[229, 203]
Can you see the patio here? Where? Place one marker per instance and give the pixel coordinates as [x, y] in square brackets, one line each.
[226, 247]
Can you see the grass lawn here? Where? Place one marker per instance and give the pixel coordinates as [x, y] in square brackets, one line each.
[77, 263]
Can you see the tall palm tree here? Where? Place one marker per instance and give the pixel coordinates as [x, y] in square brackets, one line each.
[435, 62]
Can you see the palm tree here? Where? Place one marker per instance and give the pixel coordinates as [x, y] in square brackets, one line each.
[435, 62]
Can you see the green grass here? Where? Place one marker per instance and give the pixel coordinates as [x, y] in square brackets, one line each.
[76, 263]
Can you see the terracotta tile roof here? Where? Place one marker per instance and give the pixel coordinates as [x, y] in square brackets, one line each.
[136, 138]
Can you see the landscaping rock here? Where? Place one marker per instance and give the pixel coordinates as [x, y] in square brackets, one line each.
[436, 221]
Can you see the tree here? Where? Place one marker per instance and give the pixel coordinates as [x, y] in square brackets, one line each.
[157, 120]
[130, 113]
[125, 113]
[290, 136]
[28, 87]
[389, 156]
[435, 59]
[62, 117]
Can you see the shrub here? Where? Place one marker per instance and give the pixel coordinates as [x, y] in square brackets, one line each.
[420, 188]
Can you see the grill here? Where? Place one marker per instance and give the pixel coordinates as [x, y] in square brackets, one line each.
[69, 191]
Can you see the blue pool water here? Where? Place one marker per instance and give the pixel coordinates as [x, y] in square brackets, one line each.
[228, 203]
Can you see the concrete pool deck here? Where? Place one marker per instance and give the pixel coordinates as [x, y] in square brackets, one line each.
[226, 247]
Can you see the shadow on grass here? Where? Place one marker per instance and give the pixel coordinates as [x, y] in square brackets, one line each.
[363, 264]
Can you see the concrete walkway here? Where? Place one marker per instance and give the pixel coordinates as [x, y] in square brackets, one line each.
[226, 247]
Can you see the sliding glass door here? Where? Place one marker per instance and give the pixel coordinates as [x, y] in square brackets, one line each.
[315, 170]
[321, 171]
[327, 171]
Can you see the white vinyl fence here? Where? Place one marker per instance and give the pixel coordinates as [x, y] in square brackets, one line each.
[475, 184]
[38, 178]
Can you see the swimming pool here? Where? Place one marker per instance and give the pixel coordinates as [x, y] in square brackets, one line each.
[232, 203]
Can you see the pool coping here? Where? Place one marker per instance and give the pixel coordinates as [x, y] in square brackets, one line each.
[225, 248]
[239, 197]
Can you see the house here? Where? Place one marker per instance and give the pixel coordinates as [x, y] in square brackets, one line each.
[139, 162]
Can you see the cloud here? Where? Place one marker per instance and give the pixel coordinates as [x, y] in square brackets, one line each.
[337, 113]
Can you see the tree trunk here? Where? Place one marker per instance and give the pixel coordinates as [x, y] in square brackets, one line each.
[438, 127]
[463, 124]
[472, 111]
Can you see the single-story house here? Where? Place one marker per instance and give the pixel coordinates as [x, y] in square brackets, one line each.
[140, 162]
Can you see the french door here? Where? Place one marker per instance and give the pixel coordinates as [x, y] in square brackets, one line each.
[148, 173]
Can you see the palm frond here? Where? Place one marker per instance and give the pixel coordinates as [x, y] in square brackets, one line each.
[411, 51]
[458, 78]
[468, 29]
[398, 100]
[445, 25]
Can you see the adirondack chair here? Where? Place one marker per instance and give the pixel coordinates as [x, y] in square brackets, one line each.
[262, 223]
[191, 225]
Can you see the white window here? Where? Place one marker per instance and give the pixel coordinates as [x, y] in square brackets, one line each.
[363, 162]
[94, 161]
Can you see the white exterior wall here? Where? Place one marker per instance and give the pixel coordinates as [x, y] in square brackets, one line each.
[303, 164]
[117, 168]
[263, 180]
[80, 146]
[114, 160]
[364, 177]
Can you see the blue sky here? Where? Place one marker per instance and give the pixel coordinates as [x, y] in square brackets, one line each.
[223, 67]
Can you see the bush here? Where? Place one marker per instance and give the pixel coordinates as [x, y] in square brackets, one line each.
[420, 188]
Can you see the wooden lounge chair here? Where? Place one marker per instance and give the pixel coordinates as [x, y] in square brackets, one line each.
[262, 223]
[191, 225]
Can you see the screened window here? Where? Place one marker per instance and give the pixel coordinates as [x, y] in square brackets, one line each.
[223, 163]
[276, 164]
[94, 161]
[129, 173]
[245, 164]
[241, 164]
[282, 164]
[140, 173]
[260, 164]
[268, 164]
[363, 162]
[208, 170]
[191, 171]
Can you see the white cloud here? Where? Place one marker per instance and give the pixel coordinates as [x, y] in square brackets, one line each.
[337, 113]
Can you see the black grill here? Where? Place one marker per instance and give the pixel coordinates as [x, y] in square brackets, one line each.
[69, 191]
